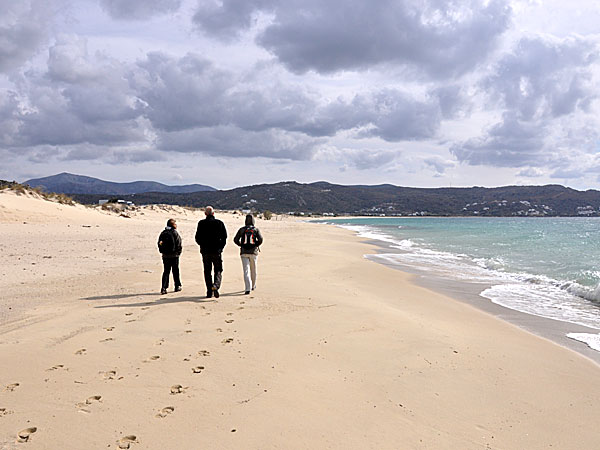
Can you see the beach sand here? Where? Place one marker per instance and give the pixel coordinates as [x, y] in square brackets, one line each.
[332, 351]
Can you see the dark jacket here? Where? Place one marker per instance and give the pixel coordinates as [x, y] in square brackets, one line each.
[211, 235]
[178, 244]
[248, 249]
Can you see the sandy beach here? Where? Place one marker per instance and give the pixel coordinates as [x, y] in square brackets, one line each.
[332, 351]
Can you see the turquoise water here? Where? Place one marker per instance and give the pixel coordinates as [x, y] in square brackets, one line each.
[543, 266]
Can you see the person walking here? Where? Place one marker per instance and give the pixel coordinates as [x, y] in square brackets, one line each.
[249, 239]
[211, 236]
[170, 246]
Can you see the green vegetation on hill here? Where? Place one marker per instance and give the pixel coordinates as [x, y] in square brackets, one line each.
[326, 198]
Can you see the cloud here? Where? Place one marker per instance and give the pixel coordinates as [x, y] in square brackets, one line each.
[440, 39]
[233, 142]
[71, 103]
[439, 164]
[138, 9]
[545, 90]
[530, 172]
[545, 78]
[23, 29]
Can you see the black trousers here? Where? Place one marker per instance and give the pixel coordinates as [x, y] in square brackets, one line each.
[170, 263]
[212, 261]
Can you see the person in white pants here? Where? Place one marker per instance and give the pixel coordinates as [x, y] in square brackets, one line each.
[249, 239]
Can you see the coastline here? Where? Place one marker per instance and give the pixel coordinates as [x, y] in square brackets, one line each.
[469, 293]
[331, 350]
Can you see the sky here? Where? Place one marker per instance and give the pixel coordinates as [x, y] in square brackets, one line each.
[423, 93]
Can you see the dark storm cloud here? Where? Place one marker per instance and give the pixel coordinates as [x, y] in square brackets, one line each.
[138, 9]
[189, 92]
[234, 142]
[80, 100]
[181, 93]
[540, 86]
[510, 143]
[437, 37]
[23, 28]
[543, 78]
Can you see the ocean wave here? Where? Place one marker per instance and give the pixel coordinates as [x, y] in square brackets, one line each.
[592, 340]
[530, 293]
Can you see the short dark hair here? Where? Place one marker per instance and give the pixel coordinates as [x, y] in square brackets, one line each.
[171, 222]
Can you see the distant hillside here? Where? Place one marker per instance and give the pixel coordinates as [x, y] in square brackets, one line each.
[322, 197]
[66, 183]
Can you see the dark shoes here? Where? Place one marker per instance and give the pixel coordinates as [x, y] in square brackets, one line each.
[246, 293]
[215, 292]
[177, 288]
[163, 291]
[209, 294]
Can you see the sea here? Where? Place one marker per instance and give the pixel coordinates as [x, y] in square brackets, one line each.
[548, 267]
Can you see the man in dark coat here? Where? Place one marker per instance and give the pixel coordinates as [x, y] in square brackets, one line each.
[211, 236]
[169, 244]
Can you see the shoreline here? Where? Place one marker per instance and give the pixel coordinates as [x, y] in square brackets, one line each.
[469, 292]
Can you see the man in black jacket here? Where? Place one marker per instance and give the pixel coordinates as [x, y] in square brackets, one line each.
[211, 236]
[169, 244]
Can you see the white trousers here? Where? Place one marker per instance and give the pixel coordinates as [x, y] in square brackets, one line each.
[249, 267]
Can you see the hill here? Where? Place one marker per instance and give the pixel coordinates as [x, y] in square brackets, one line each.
[322, 197]
[67, 183]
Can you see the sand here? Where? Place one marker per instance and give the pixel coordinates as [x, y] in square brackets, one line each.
[331, 350]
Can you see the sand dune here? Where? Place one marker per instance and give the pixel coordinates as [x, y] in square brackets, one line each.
[331, 350]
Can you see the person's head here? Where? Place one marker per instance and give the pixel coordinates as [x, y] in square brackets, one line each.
[249, 219]
[172, 223]
[209, 211]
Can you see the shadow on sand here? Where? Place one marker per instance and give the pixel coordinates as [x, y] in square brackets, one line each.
[163, 300]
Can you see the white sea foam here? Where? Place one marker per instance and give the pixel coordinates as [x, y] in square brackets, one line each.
[592, 340]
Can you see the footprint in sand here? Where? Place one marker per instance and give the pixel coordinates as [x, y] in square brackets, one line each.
[25, 434]
[160, 341]
[230, 314]
[107, 340]
[109, 375]
[12, 387]
[197, 369]
[152, 358]
[109, 328]
[219, 330]
[203, 353]
[56, 367]
[177, 389]
[126, 441]
[188, 322]
[128, 314]
[229, 321]
[227, 341]
[146, 307]
[81, 351]
[88, 402]
[5, 412]
[241, 307]
[165, 412]
[188, 331]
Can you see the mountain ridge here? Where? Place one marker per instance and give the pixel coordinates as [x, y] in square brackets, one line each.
[68, 183]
